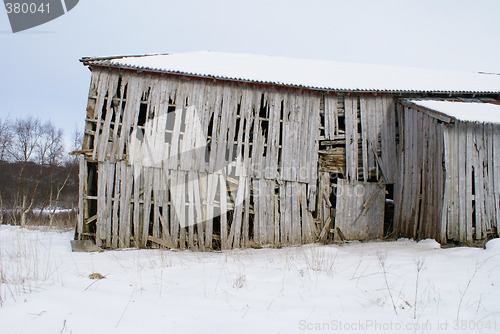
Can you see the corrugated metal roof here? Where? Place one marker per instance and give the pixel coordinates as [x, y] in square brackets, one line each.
[306, 73]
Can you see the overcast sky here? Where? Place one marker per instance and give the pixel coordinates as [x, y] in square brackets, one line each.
[40, 74]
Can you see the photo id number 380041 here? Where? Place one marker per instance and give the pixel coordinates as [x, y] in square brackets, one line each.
[27, 7]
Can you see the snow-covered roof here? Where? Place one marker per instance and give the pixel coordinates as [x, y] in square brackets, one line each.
[464, 111]
[314, 74]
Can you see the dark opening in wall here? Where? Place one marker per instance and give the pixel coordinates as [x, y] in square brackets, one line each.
[389, 211]
[143, 113]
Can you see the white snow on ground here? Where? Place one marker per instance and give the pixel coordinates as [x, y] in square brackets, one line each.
[313, 73]
[464, 111]
[375, 287]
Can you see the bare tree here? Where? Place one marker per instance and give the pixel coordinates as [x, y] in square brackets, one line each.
[5, 139]
[50, 145]
[36, 147]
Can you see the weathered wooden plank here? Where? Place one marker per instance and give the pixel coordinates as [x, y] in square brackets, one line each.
[224, 210]
[191, 221]
[212, 180]
[82, 178]
[351, 124]
[116, 206]
[360, 209]
[466, 143]
[123, 207]
[101, 93]
[388, 140]
[331, 117]
[235, 234]
[148, 184]
[364, 114]
[137, 206]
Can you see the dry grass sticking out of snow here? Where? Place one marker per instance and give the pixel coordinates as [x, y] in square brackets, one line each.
[375, 287]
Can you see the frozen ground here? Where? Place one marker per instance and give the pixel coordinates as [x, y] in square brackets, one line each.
[376, 287]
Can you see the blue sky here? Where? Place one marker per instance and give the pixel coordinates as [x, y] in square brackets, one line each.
[40, 74]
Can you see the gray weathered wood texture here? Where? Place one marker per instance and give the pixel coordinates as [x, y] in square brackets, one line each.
[186, 163]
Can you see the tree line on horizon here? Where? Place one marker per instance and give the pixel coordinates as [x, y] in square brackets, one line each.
[38, 178]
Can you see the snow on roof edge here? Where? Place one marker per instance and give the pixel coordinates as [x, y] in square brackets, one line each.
[120, 62]
[455, 110]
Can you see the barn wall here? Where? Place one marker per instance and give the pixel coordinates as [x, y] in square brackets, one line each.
[419, 189]
[448, 187]
[186, 163]
[472, 192]
[249, 177]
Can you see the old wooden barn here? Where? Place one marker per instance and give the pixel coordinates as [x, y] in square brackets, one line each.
[210, 150]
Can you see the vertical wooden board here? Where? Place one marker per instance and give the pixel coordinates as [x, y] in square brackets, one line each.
[466, 226]
[165, 215]
[148, 180]
[216, 133]
[370, 132]
[306, 223]
[235, 234]
[496, 174]
[282, 203]
[101, 204]
[247, 117]
[481, 172]
[119, 109]
[411, 194]
[331, 116]
[137, 206]
[101, 93]
[407, 163]
[296, 218]
[224, 210]
[191, 222]
[490, 182]
[227, 102]
[451, 211]
[111, 88]
[212, 180]
[400, 175]
[256, 209]
[174, 215]
[477, 166]
[313, 141]
[423, 212]
[272, 220]
[464, 189]
[388, 139]
[123, 207]
[157, 199]
[198, 210]
[273, 135]
[364, 113]
[82, 172]
[116, 206]
[130, 113]
[262, 212]
[286, 149]
[231, 133]
[276, 206]
[182, 198]
[418, 146]
[246, 214]
[351, 124]
[288, 213]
